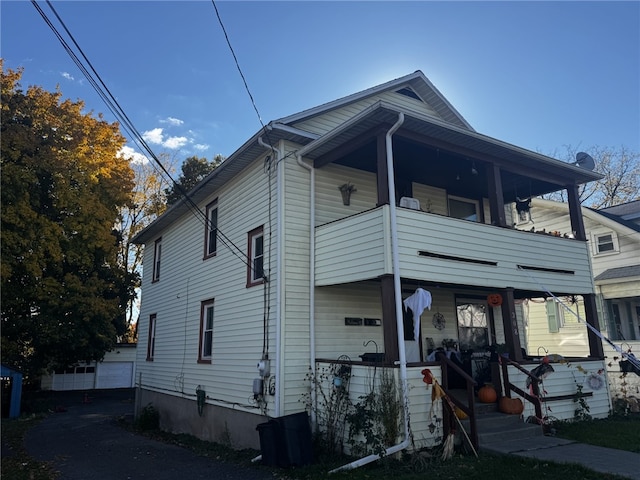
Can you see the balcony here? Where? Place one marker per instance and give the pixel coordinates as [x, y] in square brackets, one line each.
[436, 248]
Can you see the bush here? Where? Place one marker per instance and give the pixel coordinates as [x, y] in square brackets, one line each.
[149, 418]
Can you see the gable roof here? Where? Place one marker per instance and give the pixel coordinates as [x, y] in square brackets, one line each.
[450, 128]
[598, 216]
[416, 81]
[627, 211]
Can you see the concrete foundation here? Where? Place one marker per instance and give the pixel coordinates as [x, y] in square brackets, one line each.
[217, 424]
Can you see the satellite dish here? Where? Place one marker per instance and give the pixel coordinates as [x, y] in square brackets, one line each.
[584, 160]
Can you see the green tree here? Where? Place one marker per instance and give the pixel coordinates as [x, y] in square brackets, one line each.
[64, 293]
[194, 169]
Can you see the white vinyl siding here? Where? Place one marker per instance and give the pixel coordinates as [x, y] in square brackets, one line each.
[187, 281]
[330, 120]
[357, 248]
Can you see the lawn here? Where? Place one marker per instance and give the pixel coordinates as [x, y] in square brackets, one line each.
[620, 432]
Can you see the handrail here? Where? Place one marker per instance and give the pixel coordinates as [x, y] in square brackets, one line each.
[510, 387]
[468, 409]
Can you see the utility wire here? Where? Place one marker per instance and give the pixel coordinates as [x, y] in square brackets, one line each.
[105, 94]
[244, 80]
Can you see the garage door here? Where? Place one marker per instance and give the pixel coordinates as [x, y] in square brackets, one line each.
[114, 375]
[74, 378]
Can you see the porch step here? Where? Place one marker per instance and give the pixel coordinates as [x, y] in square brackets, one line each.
[500, 427]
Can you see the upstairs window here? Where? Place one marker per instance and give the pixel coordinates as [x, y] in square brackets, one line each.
[555, 316]
[255, 270]
[464, 209]
[605, 243]
[151, 342]
[157, 254]
[211, 230]
[206, 332]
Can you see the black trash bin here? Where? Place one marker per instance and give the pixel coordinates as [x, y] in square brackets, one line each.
[269, 441]
[286, 441]
[295, 430]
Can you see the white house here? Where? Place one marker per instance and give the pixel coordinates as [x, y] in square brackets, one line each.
[613, 235]
[295, 256]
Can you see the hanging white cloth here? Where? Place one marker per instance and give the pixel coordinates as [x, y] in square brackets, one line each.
[418, 302]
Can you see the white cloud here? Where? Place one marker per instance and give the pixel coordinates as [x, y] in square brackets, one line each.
[67, 75]
[153, 136]
[133, 156]
[201, 146]
[176, 122]
[175, 142]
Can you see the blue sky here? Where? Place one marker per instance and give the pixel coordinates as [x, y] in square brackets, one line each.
[540, 75]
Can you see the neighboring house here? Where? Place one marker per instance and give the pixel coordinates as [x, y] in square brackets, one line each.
[295, 255]
[613, 235]
[116, 370]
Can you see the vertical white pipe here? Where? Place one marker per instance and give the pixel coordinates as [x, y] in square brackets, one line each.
[312, 275]
[399, 317]
[395, 256]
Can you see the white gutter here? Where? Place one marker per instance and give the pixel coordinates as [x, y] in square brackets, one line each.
[279, 269]
[399, 317]
[312, 275]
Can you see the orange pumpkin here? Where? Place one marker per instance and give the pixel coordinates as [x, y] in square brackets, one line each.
[494, 300]
[487, 394]
[512, 406]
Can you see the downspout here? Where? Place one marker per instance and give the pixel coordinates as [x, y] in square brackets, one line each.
[279, 268]
[312, 275]
[399, 317]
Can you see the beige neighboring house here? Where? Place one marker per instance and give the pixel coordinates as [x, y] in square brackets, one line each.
[614, 245]
[297, 254]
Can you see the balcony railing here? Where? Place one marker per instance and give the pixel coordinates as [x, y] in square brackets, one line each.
[449, 250]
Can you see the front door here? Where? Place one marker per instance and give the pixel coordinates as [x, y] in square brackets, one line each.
[473, 337]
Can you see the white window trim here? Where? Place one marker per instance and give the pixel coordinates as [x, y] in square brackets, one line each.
[614, 239]
[251, 278]
[476, 203]
[202, 358]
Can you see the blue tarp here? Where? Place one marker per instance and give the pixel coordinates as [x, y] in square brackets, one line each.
[16, 389]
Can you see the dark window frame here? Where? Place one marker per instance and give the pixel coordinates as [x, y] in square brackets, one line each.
[157, 258]
[151, 341]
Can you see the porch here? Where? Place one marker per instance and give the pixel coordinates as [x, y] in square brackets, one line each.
[343, 386]
[446, 250]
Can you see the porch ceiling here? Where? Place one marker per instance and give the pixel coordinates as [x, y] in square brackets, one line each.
[427, 150]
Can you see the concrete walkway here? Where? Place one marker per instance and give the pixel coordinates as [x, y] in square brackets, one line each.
[600, 459]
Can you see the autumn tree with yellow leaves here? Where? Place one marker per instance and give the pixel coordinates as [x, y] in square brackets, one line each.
[64, 292]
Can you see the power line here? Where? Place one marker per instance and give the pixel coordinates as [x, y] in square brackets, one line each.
[105, 94]
[244, 80]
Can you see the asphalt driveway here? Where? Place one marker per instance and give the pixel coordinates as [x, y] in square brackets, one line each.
[84, 441]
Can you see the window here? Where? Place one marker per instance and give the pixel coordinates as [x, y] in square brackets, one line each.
[606, 243]
[157, 253]
[555, 315]
[211, 230]
[206, 332]
[255, 272]
[151, 343]
[464, 209]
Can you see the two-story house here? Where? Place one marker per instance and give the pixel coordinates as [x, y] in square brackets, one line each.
[363, 233]
[613, 235]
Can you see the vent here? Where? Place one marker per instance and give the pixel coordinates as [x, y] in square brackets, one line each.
[440, 256]
[545, 269]
[408, 92]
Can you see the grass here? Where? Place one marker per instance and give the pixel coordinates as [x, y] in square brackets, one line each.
[614, 432]
[619, 432]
